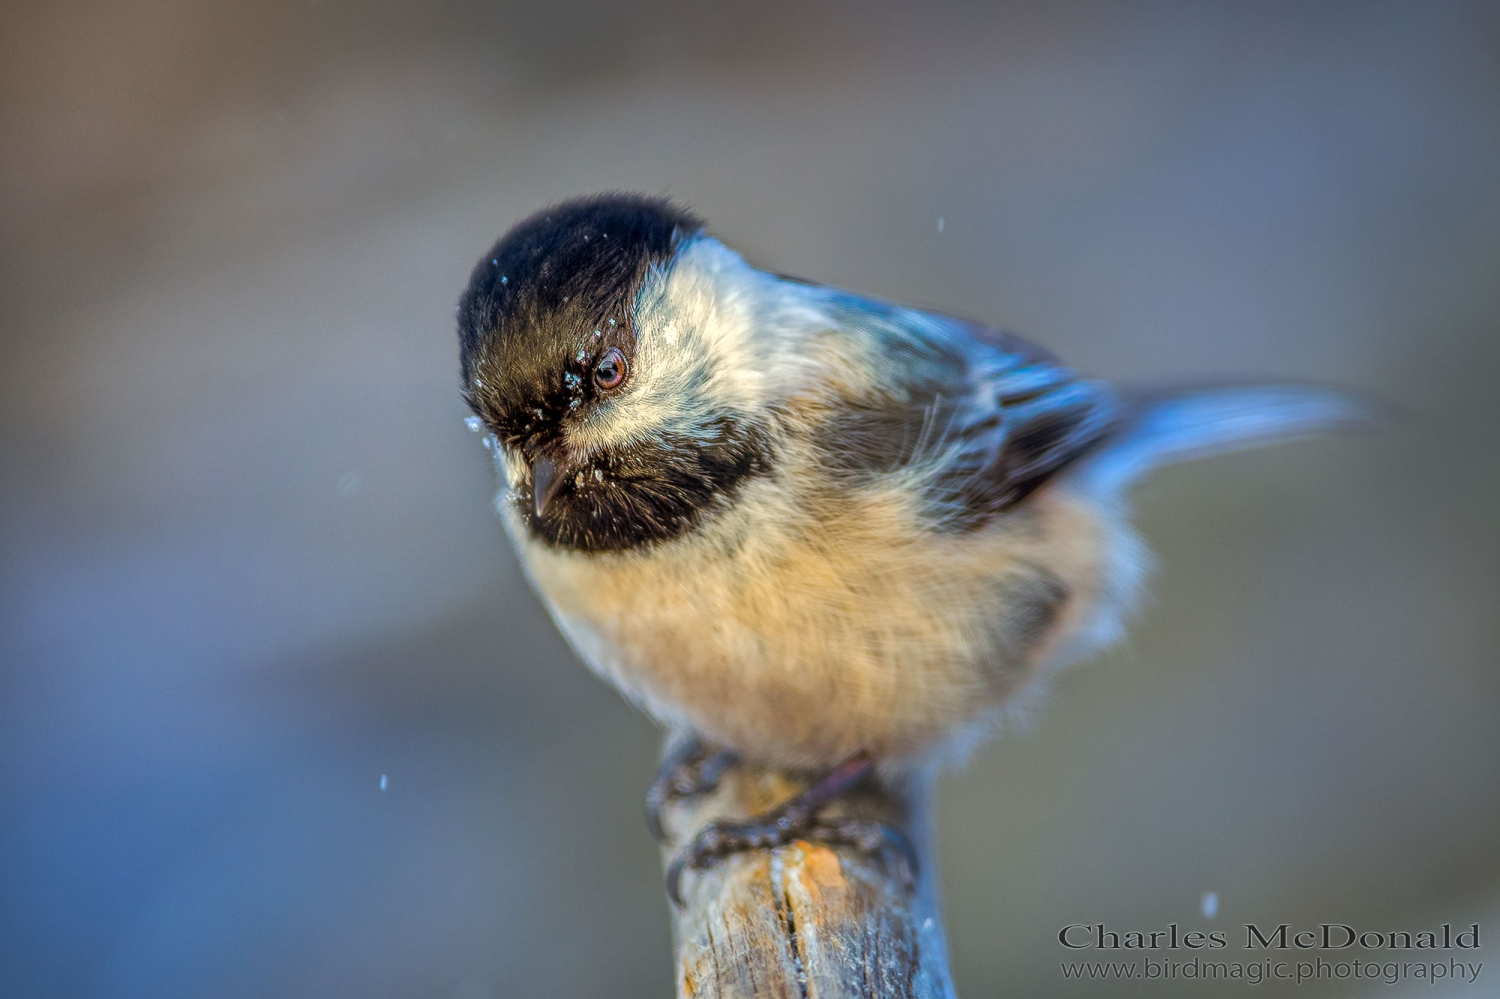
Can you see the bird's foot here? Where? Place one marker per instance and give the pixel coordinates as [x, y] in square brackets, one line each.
[799, 818]
[692, 767]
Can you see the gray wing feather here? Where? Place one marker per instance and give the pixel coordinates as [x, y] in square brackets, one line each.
[978, 419]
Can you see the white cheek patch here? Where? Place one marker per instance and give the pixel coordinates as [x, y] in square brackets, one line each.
[714, 338]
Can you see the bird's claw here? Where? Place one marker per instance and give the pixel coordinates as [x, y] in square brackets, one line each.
[720, 839]
[691, 768]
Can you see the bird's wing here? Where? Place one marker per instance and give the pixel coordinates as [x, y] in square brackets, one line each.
[976, 419]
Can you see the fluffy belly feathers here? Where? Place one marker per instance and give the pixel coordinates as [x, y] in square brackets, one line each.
[800, 646]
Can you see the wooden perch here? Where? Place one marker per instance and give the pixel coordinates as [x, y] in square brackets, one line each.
[808, 920]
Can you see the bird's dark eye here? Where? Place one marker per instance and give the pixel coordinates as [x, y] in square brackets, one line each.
[611, 370]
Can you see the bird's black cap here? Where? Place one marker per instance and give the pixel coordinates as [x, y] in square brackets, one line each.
[536, 297]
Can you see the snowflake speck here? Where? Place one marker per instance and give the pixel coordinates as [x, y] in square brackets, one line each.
[474, 423]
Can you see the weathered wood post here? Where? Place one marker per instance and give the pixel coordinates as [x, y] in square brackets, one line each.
[808, 921]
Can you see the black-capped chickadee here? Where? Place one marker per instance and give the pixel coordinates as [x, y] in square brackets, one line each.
[817, 530]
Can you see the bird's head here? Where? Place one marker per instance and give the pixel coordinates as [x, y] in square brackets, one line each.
[604, 346]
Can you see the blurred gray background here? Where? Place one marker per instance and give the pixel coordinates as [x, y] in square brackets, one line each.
[250, 569]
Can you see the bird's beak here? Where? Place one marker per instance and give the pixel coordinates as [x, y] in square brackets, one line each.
[544, 483]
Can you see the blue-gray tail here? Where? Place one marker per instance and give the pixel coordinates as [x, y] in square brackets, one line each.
[1164, 428]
